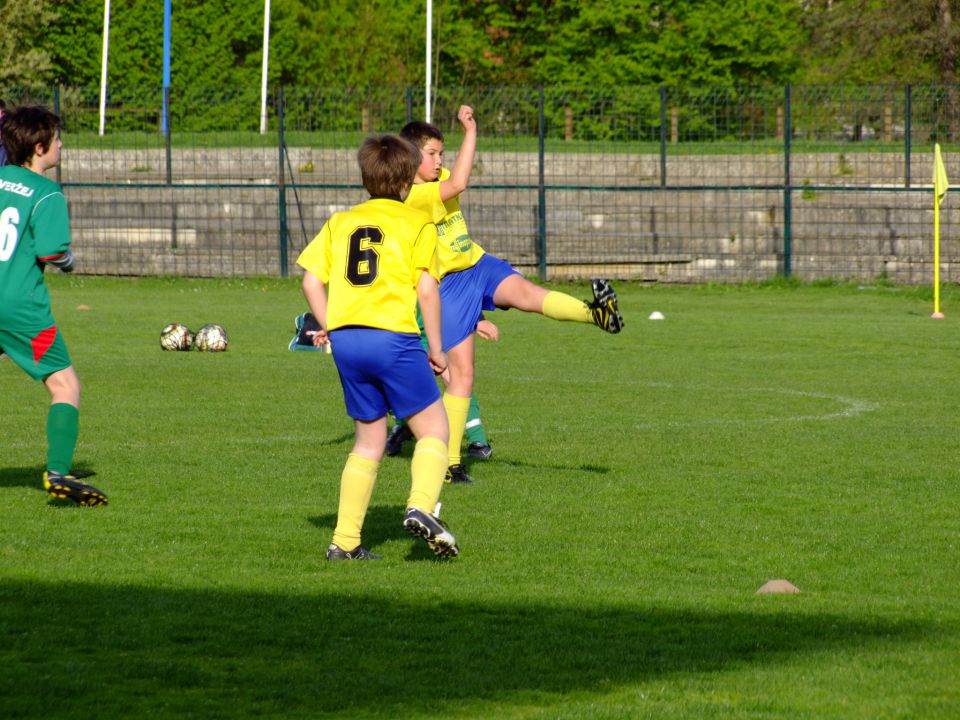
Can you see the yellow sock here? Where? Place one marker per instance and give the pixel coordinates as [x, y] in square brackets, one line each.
[457, 409]
[560, 306]
[428, 468]
[356, 486]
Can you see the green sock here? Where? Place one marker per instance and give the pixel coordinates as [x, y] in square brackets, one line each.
[63, 426]
[475, 431]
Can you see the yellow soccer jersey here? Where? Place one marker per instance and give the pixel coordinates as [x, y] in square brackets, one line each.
[370, 257]
[457, 251]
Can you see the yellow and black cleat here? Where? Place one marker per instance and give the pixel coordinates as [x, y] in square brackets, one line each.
[67, 487]
[606, 313]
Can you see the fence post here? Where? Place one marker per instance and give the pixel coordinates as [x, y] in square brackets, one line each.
[542, 190]
[168, 144]
[281, 186]
[663, 136]
[907, 132]
[168, 133]
[787, 199]
[59, 113]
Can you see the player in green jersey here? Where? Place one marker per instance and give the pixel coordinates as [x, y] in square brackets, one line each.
[35, 232]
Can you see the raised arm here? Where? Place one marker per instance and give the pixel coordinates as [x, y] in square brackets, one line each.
[460, 173]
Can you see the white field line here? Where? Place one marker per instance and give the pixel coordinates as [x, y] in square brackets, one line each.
[848, 407]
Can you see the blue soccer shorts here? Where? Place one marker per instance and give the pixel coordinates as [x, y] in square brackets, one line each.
[382, 370]
[466, 294]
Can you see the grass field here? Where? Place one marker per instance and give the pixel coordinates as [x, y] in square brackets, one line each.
[643, 487]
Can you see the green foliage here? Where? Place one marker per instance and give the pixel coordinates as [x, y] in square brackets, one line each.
[674, 43]
[870, 41]
[25, 52]
[492, 42]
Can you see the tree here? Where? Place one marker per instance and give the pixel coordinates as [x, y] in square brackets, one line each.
[24, 53]
[880, 41]
[348, 42]
[679, 42]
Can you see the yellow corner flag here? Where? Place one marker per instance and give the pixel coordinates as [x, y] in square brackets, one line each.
[940, 182]
[940, 187]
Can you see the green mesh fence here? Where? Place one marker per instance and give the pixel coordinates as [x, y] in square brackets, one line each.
[659, 184]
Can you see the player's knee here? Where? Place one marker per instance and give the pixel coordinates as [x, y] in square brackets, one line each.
[64, 386]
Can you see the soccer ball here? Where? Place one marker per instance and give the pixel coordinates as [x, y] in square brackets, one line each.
[176, 337]
[211, 338]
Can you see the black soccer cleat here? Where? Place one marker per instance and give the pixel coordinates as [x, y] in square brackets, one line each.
[397, 437]
[334, 552]
[479, 451]
[67, 487]
[606, 313]
[432, 529]
[457, 475]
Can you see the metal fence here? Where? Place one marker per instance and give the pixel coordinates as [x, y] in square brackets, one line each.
[658, 184]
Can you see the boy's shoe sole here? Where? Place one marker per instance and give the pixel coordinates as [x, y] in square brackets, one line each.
[334, 552]
[606, 312]
[457, 475]
[67, 487]
[433, 530]
[397, 437]
[479, 451]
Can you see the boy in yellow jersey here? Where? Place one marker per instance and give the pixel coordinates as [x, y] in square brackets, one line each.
[379, 260]
[472, 280]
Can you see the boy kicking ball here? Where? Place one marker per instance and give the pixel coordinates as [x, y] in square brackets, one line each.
[474, 281]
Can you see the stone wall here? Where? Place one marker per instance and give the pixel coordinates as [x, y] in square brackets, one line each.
[852, 215]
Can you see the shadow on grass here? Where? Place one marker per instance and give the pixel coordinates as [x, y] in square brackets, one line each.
[583, 467]
[407, 453]
[91, 650]
[33, 476]
[340, 440]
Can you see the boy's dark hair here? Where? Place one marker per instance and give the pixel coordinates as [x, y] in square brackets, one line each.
[23, 128]
[388, 165]
[418, 132]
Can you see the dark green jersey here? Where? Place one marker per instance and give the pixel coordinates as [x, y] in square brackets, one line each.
[34, 228]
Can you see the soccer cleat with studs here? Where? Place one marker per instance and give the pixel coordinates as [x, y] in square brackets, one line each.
[397, 437]
[606, 313]
[457, 475]
[67, 487]
[334, 552]
[479, 451]
[432, 529]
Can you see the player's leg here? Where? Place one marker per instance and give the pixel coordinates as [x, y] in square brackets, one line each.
[63, 419]
[456, 401]
[363, 357]
[428, 468]
[412, 391]
[356, 488]
[517, 292]
[429, 463]
[63, 429]
[478, 447]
